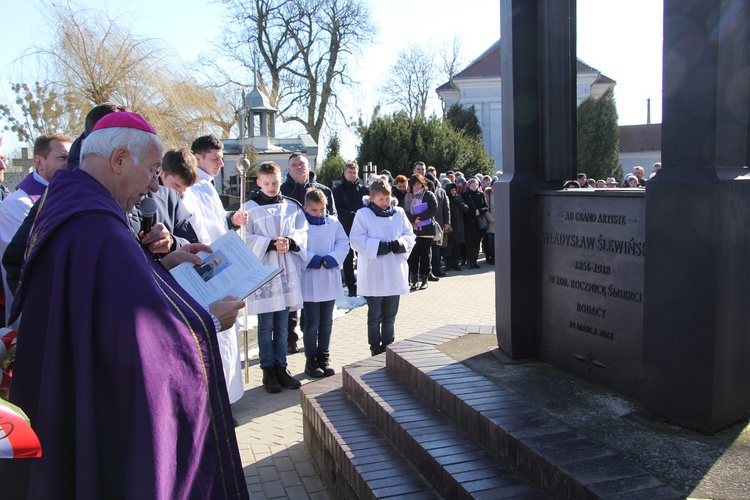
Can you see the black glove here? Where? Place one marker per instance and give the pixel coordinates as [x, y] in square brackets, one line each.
[384, 247]
[394, 246]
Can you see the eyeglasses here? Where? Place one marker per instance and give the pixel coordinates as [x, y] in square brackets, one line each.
[155, 174]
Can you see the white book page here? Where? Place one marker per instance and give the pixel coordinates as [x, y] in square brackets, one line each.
[232, 269]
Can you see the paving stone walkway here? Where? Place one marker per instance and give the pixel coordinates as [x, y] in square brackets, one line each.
[274, 457]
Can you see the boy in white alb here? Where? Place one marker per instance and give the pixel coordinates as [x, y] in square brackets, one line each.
[327, 247]
[382, 236]
[211, 222]
[277, 234]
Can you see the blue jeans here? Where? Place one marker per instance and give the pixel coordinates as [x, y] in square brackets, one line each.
[272, 335]
[317, 327]
[381, 316]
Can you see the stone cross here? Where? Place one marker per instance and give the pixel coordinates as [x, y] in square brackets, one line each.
[25, 162]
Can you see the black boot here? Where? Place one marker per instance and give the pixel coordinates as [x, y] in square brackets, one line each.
[413, 283]
[471, 255]
[285, 378]
[312, 367]
[270, 383]
[422, 282]
[324, 364]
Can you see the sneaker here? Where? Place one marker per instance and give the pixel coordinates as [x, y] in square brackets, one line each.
[285, 378]
[291, 348]
[270, 383]
[313, 368]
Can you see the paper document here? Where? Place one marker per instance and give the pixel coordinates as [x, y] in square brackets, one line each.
[232, 269]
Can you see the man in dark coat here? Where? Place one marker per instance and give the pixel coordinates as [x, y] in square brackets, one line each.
[348, 198]
[296, 185]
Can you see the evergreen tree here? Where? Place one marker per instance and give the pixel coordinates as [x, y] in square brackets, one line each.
[465, 119]
[333, 165]
[333, 148]
[598, 137]
[330, 171]
[396, 142]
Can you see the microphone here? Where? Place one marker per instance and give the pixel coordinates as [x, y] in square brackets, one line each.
[148, 214]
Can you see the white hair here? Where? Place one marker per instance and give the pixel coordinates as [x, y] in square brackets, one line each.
[104, 142]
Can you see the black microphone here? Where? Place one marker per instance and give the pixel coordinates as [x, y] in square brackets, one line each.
[148, 214]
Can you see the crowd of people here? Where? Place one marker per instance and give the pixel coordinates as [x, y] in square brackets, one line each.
[126, 379]
[635, 179]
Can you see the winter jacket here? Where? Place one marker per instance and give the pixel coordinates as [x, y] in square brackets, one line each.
[425, 197]
[348, 198]
[297, 191]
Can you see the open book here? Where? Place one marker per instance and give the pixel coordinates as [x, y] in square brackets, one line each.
[232, 269]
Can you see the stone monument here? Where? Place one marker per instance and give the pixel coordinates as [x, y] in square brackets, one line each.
[674, 333]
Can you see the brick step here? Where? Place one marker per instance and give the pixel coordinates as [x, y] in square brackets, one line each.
[558, 459]
[353, 457]
[452, 463]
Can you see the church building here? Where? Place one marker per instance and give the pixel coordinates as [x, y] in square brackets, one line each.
[479, 83]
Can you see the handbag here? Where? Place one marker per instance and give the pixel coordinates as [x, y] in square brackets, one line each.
[438, 238]
[482, 223]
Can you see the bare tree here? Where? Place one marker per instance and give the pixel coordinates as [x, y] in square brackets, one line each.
[411, 79]
[93, 59]
[39, 109]
[451, 56]
[303, 47]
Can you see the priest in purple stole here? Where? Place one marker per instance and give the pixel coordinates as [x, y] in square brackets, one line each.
[117, 367]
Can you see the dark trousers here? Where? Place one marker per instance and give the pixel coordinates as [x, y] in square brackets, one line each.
[435, 258]
[292, 336]
[489, 249]
[419, 259]
[349, 278]
[381, 318]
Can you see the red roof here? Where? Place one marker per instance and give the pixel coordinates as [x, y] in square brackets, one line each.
[488, 65]
[640, 137]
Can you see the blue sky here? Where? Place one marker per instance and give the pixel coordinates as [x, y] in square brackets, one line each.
[621, 38]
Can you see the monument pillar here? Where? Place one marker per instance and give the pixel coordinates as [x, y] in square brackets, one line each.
[538, 74]
[697, 276]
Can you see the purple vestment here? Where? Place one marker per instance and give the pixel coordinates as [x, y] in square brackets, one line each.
[117, 367]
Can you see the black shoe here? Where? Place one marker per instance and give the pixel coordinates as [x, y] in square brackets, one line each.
[270, 382]
[440, 274]
[413, 283]
[291, 348]
[423, 282]
[432, 277]
[312, 367]
[374, 351]
[285, 378]
[324, 364]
